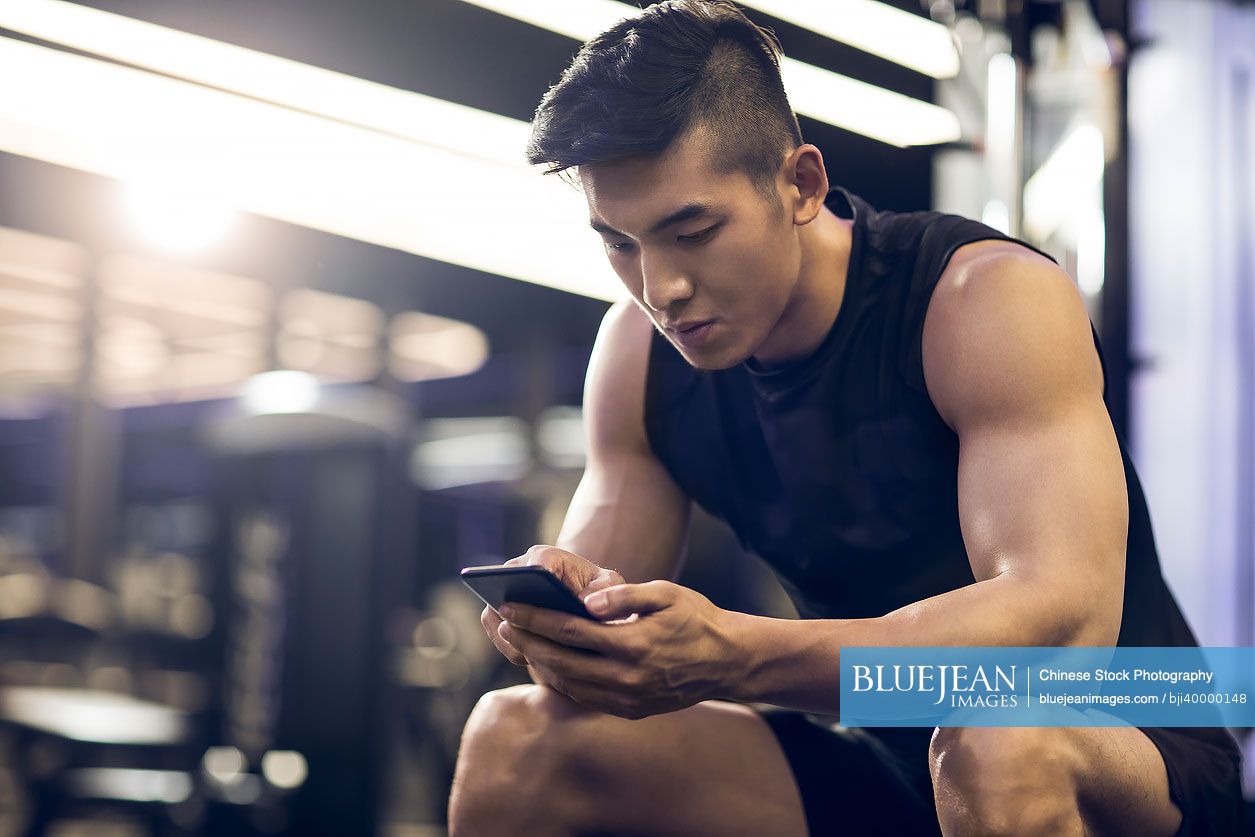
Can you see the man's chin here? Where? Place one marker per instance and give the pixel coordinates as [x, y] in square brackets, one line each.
[708, 360]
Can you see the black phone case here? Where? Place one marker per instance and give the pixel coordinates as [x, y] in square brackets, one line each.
[531, 585]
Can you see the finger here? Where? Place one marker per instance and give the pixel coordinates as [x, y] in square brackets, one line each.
[574, 631]
[622, 600]
[556, 560]
[543, 555]
[492, 624]
[608, 700]
[607, 578]
[508, 651]
[566, 662]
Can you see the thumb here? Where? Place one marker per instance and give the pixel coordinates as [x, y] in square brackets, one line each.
[622, 600]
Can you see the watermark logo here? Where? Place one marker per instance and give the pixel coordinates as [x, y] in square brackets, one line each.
[965, 686]
[1048, 686]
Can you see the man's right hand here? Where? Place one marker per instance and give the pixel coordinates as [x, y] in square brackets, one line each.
[579, 574]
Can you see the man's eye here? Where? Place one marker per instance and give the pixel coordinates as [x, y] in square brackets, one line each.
[618, 246]
[700, 236]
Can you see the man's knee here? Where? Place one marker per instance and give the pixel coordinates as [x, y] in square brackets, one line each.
[516, 761]
[1015, 780]
[516, 709]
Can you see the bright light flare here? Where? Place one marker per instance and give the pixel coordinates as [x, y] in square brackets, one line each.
[177, 220]
[270, 78]
[285, 769]
[300, 168]
[283, 391]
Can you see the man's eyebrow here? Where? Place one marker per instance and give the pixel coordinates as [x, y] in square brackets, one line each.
[684, 213]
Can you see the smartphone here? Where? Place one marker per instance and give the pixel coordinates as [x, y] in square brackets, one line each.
[533, 585]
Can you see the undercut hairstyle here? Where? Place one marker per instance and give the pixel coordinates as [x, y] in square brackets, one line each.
[682, 64]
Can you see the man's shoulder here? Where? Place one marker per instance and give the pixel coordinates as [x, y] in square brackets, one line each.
[625, 322]
[1001, 316]
[614, 389]
[998, 273]
[623, 340]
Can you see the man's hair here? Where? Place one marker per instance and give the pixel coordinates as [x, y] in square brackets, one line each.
[635, 88]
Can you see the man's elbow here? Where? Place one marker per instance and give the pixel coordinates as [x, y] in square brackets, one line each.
[1065, 614]
[1088, 608]
[1097, 624]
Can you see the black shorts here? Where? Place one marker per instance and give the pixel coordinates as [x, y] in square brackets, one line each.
[876, 780]
[1204, 778]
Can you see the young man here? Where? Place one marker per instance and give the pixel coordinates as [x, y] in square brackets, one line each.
[901, 413]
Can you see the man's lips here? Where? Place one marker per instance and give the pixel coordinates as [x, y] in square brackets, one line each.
[686, 325]
[692, 334]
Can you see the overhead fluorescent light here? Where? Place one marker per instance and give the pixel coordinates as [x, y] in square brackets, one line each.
[815, 92]
[262, 134]
[356, 101]
[578, 19]
[823, 95]
[92, 115]
[865, 108]
[877, 28]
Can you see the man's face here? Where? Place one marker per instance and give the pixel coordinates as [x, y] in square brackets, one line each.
[693, 245]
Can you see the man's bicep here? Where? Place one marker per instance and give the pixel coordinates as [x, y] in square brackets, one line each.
[1046, 502]
[627, 513]
[1041, 486]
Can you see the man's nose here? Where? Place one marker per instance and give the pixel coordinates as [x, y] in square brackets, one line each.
[663, 283]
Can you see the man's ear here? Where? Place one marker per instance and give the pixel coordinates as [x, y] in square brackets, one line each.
[807, 183]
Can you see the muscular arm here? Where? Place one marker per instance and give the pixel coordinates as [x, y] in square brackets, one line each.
[1010, 363]
[627, 513]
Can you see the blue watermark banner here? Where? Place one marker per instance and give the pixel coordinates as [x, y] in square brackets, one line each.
[1069, 687]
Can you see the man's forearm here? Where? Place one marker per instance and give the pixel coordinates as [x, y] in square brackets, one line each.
[797, 663]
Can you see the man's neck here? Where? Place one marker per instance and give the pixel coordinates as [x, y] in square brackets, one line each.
[817, 295]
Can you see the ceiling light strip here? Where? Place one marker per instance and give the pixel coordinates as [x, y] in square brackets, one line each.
[281, 81]
[815, 92]
[877, 28]
[120, 122]
[829, 97]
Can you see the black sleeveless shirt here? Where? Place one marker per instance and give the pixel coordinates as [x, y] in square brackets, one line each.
[837, 469]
